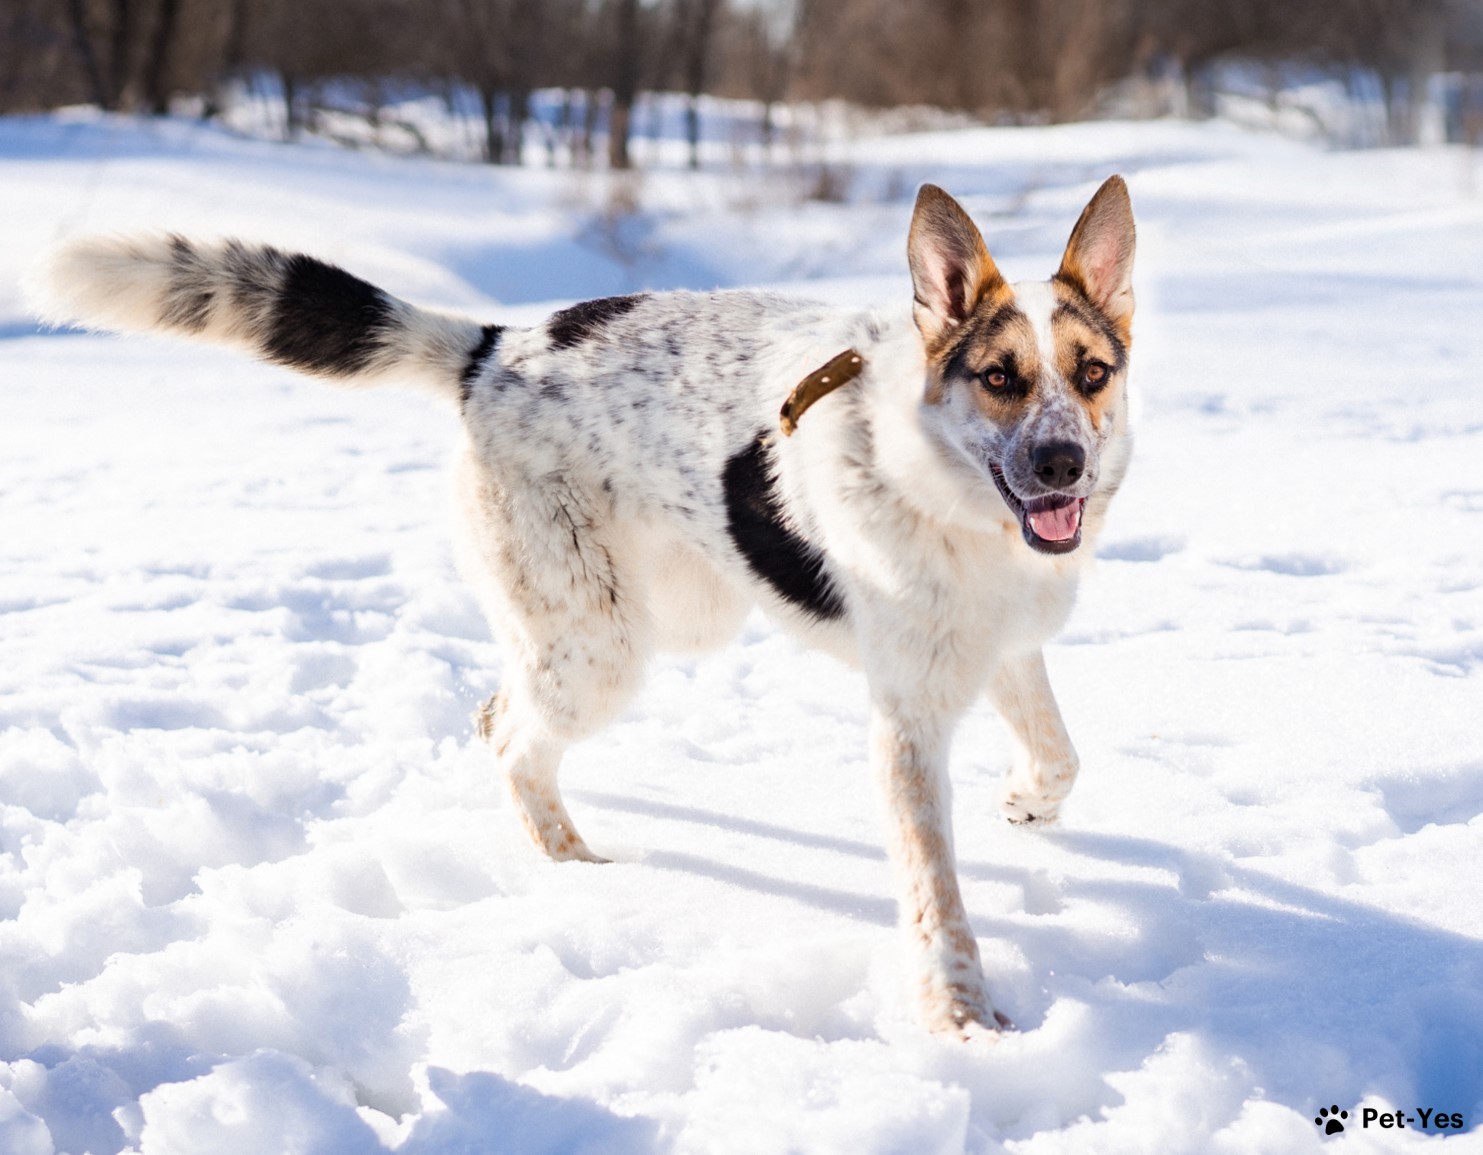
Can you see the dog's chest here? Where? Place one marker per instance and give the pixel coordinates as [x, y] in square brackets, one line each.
[983, 588]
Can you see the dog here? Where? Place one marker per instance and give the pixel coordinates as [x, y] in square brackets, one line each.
[916, 492]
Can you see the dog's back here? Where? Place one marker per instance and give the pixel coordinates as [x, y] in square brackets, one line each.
[656, 390]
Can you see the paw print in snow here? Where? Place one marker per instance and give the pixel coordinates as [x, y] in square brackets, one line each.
[1328, 1118]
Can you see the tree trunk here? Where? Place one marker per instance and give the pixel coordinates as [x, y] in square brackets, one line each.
[494, 132]
[563, 134]
[696, 57]
[85, 54]
[118, 62]
[519, 113]
[619, 121]
[692, 128]
[1390, 100]
[590, 109]
[157, 67]
[233, 54]
[625, 87]
[291, 122]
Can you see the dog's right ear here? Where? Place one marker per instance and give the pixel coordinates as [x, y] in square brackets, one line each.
[1099, 255]
[951, 270]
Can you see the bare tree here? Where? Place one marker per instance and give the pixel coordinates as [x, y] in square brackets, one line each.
[697, 21]
[756, 58]
[39, 59]
[230, 61]
[156, 79]
[87, 55]
[308, 42]
[503, 50]
[625, 82]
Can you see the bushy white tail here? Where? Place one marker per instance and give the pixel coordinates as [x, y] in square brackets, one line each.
[286, 308]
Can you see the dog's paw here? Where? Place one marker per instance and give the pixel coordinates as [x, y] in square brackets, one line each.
[1033, 791]
[963, 1013]
[971, 1023]
[573, 849]
[976, 1032]
[1029, 809]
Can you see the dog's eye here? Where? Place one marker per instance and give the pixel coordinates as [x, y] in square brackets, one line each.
[1093, 376]
[996, 378]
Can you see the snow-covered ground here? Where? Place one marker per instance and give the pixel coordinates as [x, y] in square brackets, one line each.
[260, 893]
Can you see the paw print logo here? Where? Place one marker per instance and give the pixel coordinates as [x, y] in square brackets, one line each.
[1328, 1118]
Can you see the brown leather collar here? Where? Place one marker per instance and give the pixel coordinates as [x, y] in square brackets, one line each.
[820, 383]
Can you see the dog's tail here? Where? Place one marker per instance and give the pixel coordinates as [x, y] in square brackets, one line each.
[286, 308]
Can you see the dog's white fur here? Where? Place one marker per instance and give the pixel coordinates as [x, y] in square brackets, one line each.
[621, 480]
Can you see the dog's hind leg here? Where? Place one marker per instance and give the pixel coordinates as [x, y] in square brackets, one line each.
[573, 635]
[1047, 764]
[530, 761]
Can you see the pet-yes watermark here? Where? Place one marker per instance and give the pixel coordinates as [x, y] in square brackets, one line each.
[1333, 1120]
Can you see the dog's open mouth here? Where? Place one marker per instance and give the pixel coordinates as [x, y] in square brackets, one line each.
[1050, 524]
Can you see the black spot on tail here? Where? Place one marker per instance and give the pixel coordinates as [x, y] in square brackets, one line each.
[488, 341]
[326, 321]
[575, 325]
[190, 298]
[761, 533]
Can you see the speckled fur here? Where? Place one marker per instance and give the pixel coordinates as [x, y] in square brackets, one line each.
[592, 498]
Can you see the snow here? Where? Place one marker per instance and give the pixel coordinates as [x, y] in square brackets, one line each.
[259, 891]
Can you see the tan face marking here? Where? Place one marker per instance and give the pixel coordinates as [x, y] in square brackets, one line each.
[997, 350]
[1091, 354]
[993, 298]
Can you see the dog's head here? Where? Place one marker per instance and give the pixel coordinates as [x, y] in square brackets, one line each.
[1027, 381]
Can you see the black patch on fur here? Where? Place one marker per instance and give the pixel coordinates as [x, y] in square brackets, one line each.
[760, 531]
[573, 326]
[324, 320]
[488, 341]
[189, 300]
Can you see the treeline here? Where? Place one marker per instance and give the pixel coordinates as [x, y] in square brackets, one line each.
[999, 59]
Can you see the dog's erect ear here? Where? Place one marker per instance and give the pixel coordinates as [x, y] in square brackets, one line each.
[951, 270]
[1099, 256]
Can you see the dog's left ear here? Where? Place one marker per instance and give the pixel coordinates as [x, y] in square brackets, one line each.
[951, 270]
[1099, 256]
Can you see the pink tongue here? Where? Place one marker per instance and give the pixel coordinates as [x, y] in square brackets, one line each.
[1057, 524]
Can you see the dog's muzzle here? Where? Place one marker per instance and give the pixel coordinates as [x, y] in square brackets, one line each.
[1050, 524]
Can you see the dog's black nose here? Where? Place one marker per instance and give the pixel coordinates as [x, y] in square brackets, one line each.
[1058, 464]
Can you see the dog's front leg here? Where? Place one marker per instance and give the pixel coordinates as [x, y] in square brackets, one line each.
[910, 758]
[1047, 765]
